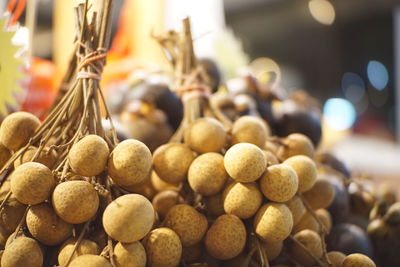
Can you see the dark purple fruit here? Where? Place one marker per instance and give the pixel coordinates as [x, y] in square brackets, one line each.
[340, 206]
[334, 163]
[213, 72]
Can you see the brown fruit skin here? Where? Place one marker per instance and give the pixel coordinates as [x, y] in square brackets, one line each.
[32, 183]
[130, 255]
[128, 218]
[321, 195]
[226, 237]
[90, 261]
[205, 135]
[296, 144]
[306, 222]
[358, 260]
[45, 157]
[242, 200]
[214, 205]
[189, 224]
[297, 208]
[130, 163]
[306, 171]
[270, 158]
[5, 188]
[17, 128]
[245, 162]
[11, 215]
[207, 174]
[273, 222]
[250, 129]
[85, 247]
[336, 258]
[23, 251]
[145, 188]
[163, 248]
[312, 241]
[5, 155]
[171, 162]
[160, 185]
[88, 157]
[75, 201]
[193, 253]
[273, 250]
[46, 226]
[279, 183]
[325, 217]
[165, 200]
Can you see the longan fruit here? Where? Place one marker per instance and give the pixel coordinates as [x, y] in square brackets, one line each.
[279, 183]
[193, 253]
[357, 260]
[336, 258]
[5, 155]
[4, 235]
[130, 254]
[46, 157]
[171, 162]
[214, 205]
[89, 260]
[325, 218]
[46, 226]
[307, 222]
[145, 188]
[245, 162]
[296, 206]
[310, 240]
[226, 237]
[188, 223]
[207, 174]
[17, 128]
[296, 144]
[130, 163]
[128, 218]
[160, 185]
[250, 129]
[32, 183]
[163, 248]
[305, 169]
[273, 250]
[5, 188]
[273, 222]
[165, 200]
[85, 247]
[242, 200]
[23, 251]
[205, 135]
[270, 158]
[11, 215]
[88, 157]
[75, 201]
[321, 195]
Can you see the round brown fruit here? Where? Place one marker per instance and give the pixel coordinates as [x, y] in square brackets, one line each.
[128, 218]
[193, 253]
[214, 205]
[90, 261]
[270, 157]
[336, 258]
[88, 157]
[207, 174]
[357, 260]
[32, 183]
[189, 224]
[171, 162]
[17, 128]
[226, 237]
[273, 250]
[325, 218]
[296, 144]
[250, 129]
[245, 162]
[130, 255]
[23, 251]
[321, 195]
[306, 171]
[163, 248]
[296, 206]
[165, 200]
[279, 183]
[130, 163]
[205, 135]
[46, 157]
[5, 155]
[242, 200]
[312, 242]
[75, 201]
[145, 188]
[307, 222]
[11, 215]
[85, 247]
[160, 185]
[273, 222]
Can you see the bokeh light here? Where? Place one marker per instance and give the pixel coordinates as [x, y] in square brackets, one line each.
[339, 113]
[322, 11]
[353, 87]
[377, 74]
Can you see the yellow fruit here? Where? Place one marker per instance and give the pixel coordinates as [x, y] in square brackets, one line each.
[226, 237]
[171, 162]
[207, 174]
[306, 171]
[75, 201]
[205, 135]
[273, 222]
[17, 128]
[336, 258]
[214, 205]
[160, 185]
[296, 206]
[307, 222]
[130, 254]
[85, 247]
[128, 218]
[193, 253]
[165, 200]
[320, 195]
[249, 129]
[279, 183]
[325, 218]
[5, 188]
[45, 157]
[270, 158]
[245, 162]
[163, 248]
[46, 226]
[130, 163]
[272, 249]
[312, 241]
[357, 260]
[296, 144]
[90, 261]
[189, 224]
[11, 215]
[23, 251]
[145, 188]
[242, 200]
[32, 183]
[5, 155]
[88, 157]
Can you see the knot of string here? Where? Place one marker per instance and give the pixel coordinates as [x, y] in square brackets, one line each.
[95, 60]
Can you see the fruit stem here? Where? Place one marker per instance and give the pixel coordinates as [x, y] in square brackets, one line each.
[78, 242]
[318, 261]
